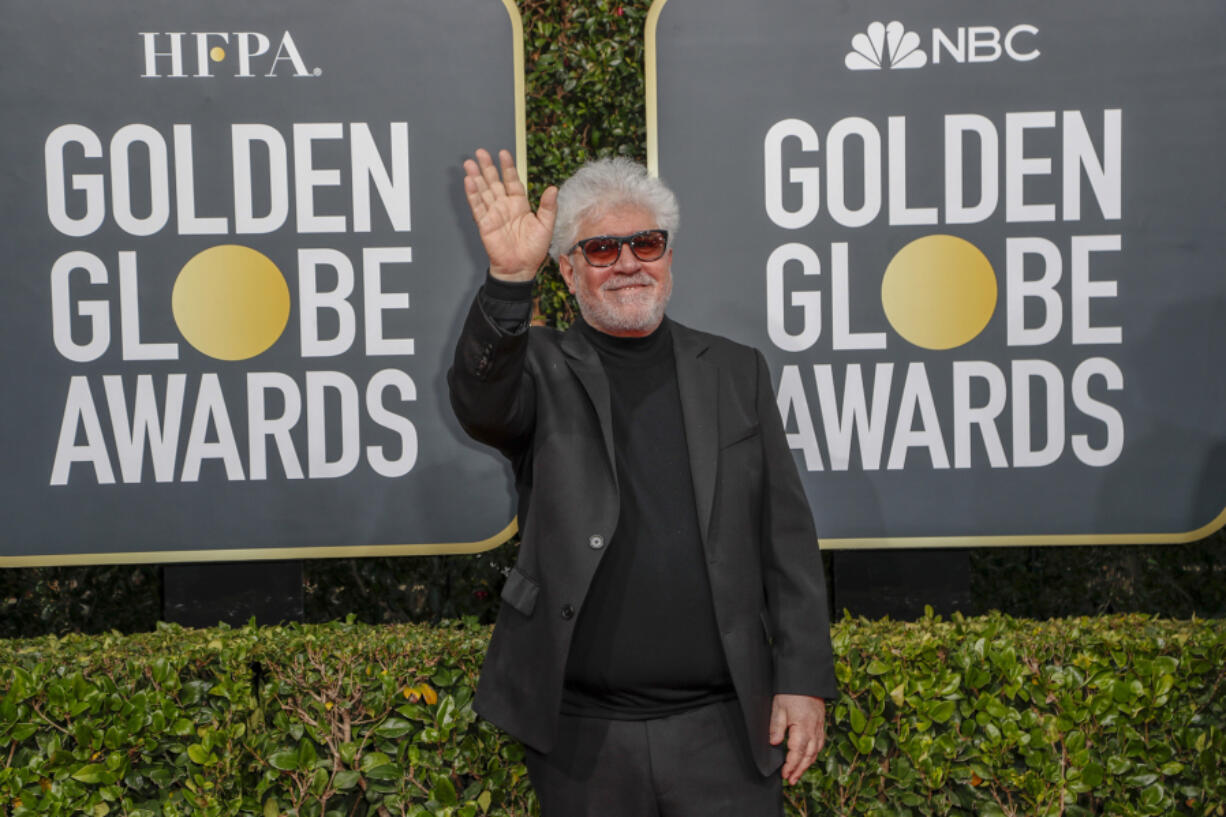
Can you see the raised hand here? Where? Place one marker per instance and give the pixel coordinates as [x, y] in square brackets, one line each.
[515, 238]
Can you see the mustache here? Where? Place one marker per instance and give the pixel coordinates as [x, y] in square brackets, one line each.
[621, 282]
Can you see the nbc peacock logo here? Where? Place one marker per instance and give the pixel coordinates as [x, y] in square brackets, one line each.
[885, 45]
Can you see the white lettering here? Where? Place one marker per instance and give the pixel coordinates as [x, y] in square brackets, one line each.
[806, 177]
[1018, 289]
[317, 384]
[211, 410]
[791, 401]
[146, 425]
[376, 301]
[260, 426]
[403, 384]
[809, 303]
[1113, 446]
[840, 295]
[311, 300]
[836, 193]
[1018, 167]
[966, 415]
[90, 184]
[81, 415]
[96, 312]
[917, 396]
[869, 427]
[1024, 371]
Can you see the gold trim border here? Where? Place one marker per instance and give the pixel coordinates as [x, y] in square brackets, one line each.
[512, 527]
[262, 554]
[335, 551]
[651, 83]
[901, 542]
[521, 116]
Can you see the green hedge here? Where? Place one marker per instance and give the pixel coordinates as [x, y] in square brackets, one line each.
[989, 716]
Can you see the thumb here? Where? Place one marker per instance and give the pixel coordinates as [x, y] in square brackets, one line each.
[779, 724]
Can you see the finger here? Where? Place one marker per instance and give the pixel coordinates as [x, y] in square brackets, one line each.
[806, 760]
[476, 185]
[510, 175]
[791, 766]
[472, 187]
[477, 168]
[799, 762]
[548, 211]
[490, 173]
[475, 203]
[797, 741]
[472, 176]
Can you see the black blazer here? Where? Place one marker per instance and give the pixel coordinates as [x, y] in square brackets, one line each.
[541, 397]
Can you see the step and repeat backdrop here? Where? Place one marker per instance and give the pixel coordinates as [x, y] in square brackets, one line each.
[235, 253]
[981, 245]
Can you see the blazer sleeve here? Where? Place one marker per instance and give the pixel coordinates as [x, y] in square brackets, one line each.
[492, 392]
[792, 575]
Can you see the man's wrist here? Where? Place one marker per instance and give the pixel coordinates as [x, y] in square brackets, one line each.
[501, 289]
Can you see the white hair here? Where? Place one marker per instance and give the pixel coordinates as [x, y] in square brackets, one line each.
[603, 185]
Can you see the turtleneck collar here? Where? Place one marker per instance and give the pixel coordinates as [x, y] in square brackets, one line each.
[629, 351]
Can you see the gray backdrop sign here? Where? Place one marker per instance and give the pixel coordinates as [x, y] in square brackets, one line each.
[235, 254]
[981, 245]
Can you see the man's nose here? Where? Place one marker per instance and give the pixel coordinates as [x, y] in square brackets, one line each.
[627, 261]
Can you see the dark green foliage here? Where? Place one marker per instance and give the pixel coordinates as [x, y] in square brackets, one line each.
[583, 65]
[39, 600]
[1176, 581]
[1123, 716]
[1172, 580]
[422, 588]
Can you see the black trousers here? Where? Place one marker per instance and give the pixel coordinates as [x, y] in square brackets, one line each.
[695, 764]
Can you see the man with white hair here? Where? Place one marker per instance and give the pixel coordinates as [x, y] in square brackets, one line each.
[665, 628]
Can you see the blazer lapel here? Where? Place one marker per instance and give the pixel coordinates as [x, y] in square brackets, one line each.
[698, 382]
[585, 363]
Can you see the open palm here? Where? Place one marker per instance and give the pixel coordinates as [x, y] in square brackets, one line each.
[515, 238]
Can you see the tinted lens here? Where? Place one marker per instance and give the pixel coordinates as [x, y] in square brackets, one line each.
[650, 245]
[601, 251]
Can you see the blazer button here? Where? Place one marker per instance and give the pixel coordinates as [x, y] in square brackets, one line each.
[596, 542]
[568, 612]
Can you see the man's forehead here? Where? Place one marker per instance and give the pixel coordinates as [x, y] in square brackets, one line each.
[619, 219]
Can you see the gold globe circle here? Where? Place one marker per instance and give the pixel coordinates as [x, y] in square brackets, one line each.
[939, 292]
[217, 53]
[230, 302]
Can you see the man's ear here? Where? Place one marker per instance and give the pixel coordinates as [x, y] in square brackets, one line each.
[568, 272]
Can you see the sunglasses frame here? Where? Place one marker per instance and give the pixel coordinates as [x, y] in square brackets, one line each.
[622, 240]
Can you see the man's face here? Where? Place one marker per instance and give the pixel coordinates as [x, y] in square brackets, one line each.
[628, 298]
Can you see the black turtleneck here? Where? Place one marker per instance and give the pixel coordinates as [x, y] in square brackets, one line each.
[646, 643]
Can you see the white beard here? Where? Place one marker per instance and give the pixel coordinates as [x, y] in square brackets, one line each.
[614, 311]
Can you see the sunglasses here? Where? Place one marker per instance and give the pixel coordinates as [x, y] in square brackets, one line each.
[604, 250]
